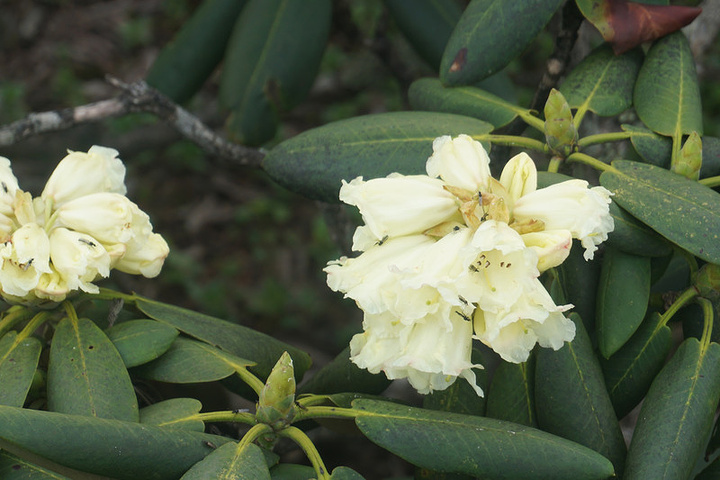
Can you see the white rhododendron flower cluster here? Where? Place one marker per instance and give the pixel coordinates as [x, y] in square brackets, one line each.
[76, 231]
[455, 255]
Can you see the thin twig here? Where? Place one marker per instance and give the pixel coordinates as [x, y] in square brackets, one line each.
[135, 98]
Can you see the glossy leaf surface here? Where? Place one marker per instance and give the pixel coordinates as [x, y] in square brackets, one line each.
[140, 341]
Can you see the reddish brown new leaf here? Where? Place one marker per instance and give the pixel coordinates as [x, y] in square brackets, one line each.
[628, 24]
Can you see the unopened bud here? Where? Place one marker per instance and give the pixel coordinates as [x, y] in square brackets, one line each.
[707, 281]
[689, 161]
[276, 403]
[560, 132]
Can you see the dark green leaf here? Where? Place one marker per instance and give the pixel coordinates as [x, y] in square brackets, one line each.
[571, 399]
[623, 295]
[667, 96]
[427, 24]
[711, 472]
[345, 473]
[478, 446]
[314, 162]
[18, 362]
[236, 339]
[174, 413]
[653, 148]
[230, 463]
[121, 450]
[184, 65]
[140, 341]
[342, 375]
[603, 82]
[16, 468]
[677, 415]
[511, 396]
[190, 361]
[429, 94]
[579, 280]
[267, 69]
[632, 237]
[711, 157]
[631, 370]
[86, 375]
[291, 471]
[460, 397]
[681, 210]
[489, 35]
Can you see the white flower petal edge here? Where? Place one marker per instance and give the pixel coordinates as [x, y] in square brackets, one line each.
[430, 353]
[572, 206]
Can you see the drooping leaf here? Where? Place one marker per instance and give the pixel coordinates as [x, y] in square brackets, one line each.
[478, 446]
[623, 295]
[571, 400]
[190, 361]
[235, 339]
[630, 236]
[174, 413]
[266, 68]
[628, 24]
[427, 24]
[314, 162]
[231, 463]
[677, 414]
[118, 449]
[681, 210]
[182, 66]
[603, 82]
[511, 396]
[18, 362]
[489, 35]
[16, 468]
[342, 375]
[429, 94]
[667, 95]
[140, 341]
[86, 375]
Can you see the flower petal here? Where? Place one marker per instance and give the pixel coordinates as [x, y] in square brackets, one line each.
[461, 162]
[519, 177]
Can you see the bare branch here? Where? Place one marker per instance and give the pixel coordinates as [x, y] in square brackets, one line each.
[135, 98]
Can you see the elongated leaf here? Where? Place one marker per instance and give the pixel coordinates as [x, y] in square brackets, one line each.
[630, 236]
[681, 210]
[140, 341]
[667, 96]
[230, 463]
[603, 82]
[18, 362]
[430, 94]
[460, 397]
[631, 370]
[512, 393]
[578, 280]
[427, 24]
[236, 339]
[314, 162]
[478, 446]
[174, 413]
[489, 35]
[266, 68]
[16, 468]
[571, 400]
[677, 414]
[86, 375]
[184, 65]
[623, 296]
[122, 450]
[342, 375]
[190, 361]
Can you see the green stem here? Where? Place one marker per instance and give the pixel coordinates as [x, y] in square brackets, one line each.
[70, 311]
[13, 316]
[690, 260]
[251, 380]
[255, 432]
[591, 161]
[297, 435]
[107, 294]
[684, 298]
[513, 141]
[32, 325]
[554, 164]
[676, 147]
[603, 138]
[325, 412]
[707, 324]
[310, 400]
[579, 115]
[532, 120]
[711, 182]
[225, 416]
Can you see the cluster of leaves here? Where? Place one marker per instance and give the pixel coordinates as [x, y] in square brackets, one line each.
[73, 405]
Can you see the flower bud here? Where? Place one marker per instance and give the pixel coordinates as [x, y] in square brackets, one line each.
[276, 405]
[707, 281]
[560, 132]
[689, 161]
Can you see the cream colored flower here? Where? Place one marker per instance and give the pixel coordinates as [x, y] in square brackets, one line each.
[78, 258]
